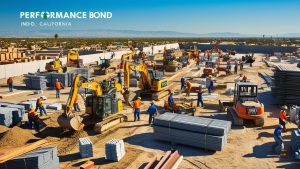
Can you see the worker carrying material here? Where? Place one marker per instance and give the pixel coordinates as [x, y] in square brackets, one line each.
[188, 87]
[40, 106]
[278, 139]
[10, 84]
[282, 117]
[136, 108]
[58, 86]
[33, 118]
[152, 110]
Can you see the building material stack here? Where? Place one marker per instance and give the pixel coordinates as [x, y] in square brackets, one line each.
[295, 143]
[11, 113]
[286, 84]
[115, 150]
[85, 147]
[36, 82]
[84, 72]
[210, 134]
[44, 158]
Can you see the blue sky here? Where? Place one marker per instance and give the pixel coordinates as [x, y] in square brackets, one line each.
[190, 16]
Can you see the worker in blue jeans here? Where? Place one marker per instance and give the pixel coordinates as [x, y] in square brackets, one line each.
[210, 87]
[136, 106]
[152, 110]
[278, 138]
[200, 98]
[182, 80]
[33, 118]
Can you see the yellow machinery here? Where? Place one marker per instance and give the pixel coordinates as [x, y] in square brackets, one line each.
[54, 66]
[128, 56]
[193, 54]
[170, 62]
[73, 59]
[104, 109]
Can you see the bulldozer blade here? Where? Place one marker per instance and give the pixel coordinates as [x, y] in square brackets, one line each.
[106, 124]
[72, 123]
[237, 121]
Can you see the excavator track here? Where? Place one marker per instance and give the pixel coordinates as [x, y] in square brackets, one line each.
[109, 122]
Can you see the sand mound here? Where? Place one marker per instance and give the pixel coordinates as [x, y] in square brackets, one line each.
[16, 137]
[3, 129]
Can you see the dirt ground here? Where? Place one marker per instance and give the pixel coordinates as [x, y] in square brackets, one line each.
[246, 148]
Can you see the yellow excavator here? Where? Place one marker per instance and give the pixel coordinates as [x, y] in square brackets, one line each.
[151, 84]
[103, 109]
[73, 59]
[54, 66]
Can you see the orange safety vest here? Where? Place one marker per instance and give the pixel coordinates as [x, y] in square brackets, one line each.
[282, 115]
[58, 85]
[9, 81]
[188, 84]
[32, 114]
[39, 102]
[137, 104]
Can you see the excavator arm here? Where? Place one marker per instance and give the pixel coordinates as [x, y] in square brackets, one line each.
[77, 84]
[127, 68]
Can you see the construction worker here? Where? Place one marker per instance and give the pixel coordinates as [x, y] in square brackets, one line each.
[136, 106]
[58, 86]
[211, 85]
[40, 106]
[152, 110]
[199, 97]
[244, 78]
[119, 76]
[241, 65]
[171, 99]
[33, 118]
[182, 80]
[282, 117]
[278, 138]
[188, 87]
[105, 86]
[10, 84]
[76, 104]
[235, 67]
[228, 68]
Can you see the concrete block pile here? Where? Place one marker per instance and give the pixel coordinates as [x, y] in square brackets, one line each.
[44, 158]
[55, 106]
[295, 140]
[210, 134]
[286, 84]
[114, 150]
[10, 113]
[85, 147]
[36, 82]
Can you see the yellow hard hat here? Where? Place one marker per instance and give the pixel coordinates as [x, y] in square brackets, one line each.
[139, 98]
[152, 101]
[284, 107]
[31, 109]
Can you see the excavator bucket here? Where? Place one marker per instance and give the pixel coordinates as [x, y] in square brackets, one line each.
[71, 123]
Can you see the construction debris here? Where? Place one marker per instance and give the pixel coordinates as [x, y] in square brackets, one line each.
[286, 85]
[85, 147]
[200, 132]
[170, 160]
[114, 150]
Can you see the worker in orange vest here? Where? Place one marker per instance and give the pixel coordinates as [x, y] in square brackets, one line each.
[282, 117]
[40, 106]
[136, 106]
[10, 84]
[58, 86]
[76, 104]
[188, 87]
[33, 118]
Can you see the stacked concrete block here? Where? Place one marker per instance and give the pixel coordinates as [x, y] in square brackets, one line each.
[114, 150]
[85, 147]
[36, 82]
[295, 140]
[84, 72]
[28, 104]
[55, 106]
[6, 118]
[62, 77]
[11, 113]
[210, 134]
[45, 158]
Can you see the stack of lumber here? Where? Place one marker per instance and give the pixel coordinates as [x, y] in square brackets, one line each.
[286, 84]
[170, 160]
[114, 150]
[35, 82]
[210, 134]
[85, 147]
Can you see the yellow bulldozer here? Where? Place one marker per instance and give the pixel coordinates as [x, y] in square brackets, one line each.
[54, 66]
[103, 109]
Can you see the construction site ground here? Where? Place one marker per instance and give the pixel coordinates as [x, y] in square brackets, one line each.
[248, 147]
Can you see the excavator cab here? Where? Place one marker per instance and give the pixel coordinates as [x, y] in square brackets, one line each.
[102, 106]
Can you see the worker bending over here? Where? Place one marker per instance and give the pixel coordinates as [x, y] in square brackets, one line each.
[39, 103]
[278, 138]
[10, 84]
[282, 117]
[58, 86]
[136, 106]
[188, 87]
[33, 118]
[152, 110]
